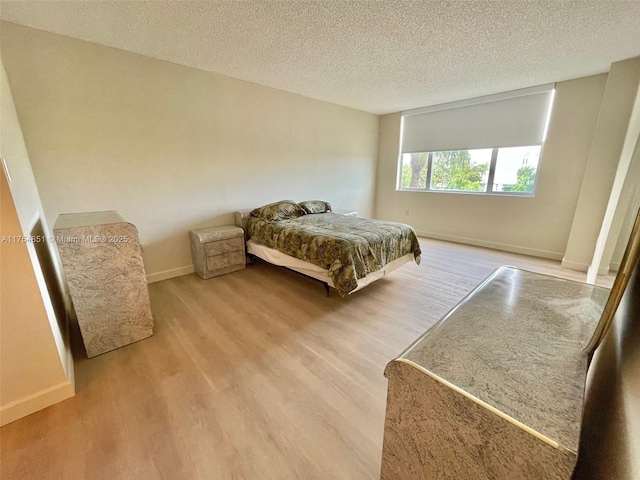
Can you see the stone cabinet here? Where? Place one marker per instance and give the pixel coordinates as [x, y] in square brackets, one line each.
[217, 250]
[495, 390]
[102, 263]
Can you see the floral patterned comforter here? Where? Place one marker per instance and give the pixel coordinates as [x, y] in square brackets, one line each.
[348, 247]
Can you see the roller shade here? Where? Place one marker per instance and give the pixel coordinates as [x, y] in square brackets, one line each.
[508, 119]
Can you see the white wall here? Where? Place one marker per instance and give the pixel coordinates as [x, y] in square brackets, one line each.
[537, 225]
[174, 148]
[626, 214]
[604, 155]
[36, 366]
[626, 178]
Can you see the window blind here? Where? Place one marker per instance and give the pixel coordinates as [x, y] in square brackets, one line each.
[509, 119]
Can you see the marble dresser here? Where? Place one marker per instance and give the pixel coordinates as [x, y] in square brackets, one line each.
[495, 389]
[102, 263]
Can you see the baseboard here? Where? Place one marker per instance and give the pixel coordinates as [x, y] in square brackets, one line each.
[583, 267]
[71, 368]
[534, 252]
[167, 274]
[577, 266]
[24, 406]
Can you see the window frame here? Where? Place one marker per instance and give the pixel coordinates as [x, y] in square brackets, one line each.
[490, 178]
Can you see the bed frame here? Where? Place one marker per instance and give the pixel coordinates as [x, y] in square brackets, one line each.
[307, 269]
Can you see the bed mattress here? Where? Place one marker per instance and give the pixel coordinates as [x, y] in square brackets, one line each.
[348, 249]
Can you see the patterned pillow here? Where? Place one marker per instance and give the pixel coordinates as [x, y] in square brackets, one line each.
[281, 210]
[316, 206]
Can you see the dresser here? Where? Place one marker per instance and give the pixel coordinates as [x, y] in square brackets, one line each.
[495, 390]
[102, 262]
[217, 250]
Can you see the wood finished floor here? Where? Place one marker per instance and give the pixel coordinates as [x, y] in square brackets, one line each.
[252, 375]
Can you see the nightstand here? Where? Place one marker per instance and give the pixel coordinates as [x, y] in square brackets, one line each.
[346, 212]
[217, 250]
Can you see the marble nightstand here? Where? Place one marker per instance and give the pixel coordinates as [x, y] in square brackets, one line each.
[217, 250]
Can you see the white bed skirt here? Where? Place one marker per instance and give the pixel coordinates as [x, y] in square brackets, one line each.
[278, 258]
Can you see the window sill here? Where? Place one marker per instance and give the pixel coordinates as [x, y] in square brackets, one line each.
[457, 192]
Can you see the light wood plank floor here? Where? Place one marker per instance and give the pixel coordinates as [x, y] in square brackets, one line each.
[252, 375]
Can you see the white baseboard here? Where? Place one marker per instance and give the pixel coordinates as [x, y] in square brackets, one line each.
[24, 406]
[167, 274]
[583, 267]
[577, 266]
[71, 368]
[534, 252]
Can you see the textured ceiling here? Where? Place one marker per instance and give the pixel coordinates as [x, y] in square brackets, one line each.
[379, 57]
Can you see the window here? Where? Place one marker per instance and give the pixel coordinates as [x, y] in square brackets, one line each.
[516, 169]
[508, 171]
[461, 170]
[507, 132]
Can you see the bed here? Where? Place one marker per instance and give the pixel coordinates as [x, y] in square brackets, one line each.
[344, 252]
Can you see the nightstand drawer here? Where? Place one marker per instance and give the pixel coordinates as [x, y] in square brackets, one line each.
[229, 259]
[223, 246]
